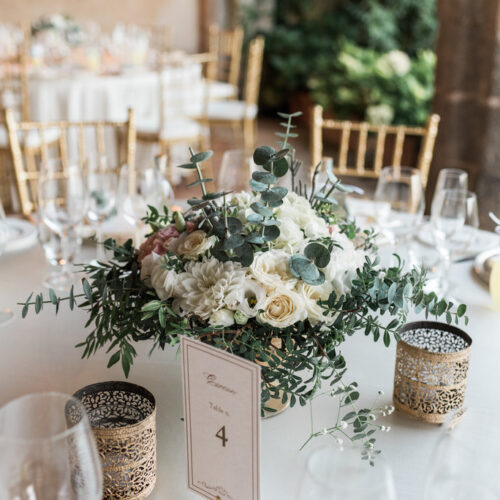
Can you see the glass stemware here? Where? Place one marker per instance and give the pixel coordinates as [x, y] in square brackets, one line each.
[447, 218]
[48, 450]
[5, 314]
[61, 204]
[399, 205]
[101, 199]
[235, 171]
[138, 189]
[465, 462]
[332, 474]
[451, 178]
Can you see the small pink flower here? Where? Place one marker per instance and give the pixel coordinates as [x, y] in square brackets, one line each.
[158, 242]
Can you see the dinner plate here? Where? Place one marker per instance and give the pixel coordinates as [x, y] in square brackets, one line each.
[481, 240]
[484, 262]
[23, 235]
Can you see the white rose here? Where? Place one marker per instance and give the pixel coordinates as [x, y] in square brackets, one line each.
[311, 295]
[194, 244]
[291, 237]
[272, 269]
[283, 308]
[222, 317]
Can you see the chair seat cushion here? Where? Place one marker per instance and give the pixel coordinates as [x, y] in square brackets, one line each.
[231, 110]
[31, 139]
[173, 130]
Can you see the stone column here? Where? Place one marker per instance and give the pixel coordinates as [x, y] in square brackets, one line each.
[468, 97]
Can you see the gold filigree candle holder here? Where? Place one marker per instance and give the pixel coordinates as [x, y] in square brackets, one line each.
[123, 420]
[432, 361]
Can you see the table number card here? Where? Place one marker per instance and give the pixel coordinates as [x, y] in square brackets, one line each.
[222, 420]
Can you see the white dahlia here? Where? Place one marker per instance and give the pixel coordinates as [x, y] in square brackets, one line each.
[205, 285]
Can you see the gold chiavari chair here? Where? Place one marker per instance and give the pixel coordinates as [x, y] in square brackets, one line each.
[14, 93]
[183, 102]
[381, 133]
[227, 46]
[73, 144]
[242, 115]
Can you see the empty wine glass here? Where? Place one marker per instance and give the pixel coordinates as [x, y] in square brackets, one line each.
[235, 171]
[332, 474]
[399, 205]
[61, 204]
[465, 462]
[48, 450]
[447, 218]
[5, 314]
[101, 198]
[451, 178]
[464, 238]
[139, 188]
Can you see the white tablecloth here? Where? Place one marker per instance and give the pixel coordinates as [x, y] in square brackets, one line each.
[38, 354]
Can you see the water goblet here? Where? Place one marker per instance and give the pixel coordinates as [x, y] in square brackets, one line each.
[48, 450]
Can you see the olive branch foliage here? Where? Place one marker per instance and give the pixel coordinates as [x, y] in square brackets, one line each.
[298, 362]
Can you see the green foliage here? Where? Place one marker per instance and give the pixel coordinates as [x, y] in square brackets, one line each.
[306, 37]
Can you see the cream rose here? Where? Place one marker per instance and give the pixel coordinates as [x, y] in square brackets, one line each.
[311, 295]
[282, 308]
[194, 244]
[271, 269]
[222, 317]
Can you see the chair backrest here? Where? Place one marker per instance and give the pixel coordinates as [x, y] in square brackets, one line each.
[33, 143]
[227, 45]
[380, 133]
[254, 70]
[184, 87]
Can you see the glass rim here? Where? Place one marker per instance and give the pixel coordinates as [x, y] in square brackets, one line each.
[453, 171]
[54, 437]
[402, 168]
[369, 487]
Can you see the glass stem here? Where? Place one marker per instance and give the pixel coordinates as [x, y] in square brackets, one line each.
[446, 267]
[101, 255]
[66, 254]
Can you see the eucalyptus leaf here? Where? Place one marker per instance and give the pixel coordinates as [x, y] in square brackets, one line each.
[280, 167]
[317, 253]
[262, 155]
[259, 208]
[271, 233]
[201, 156]
[264, 178]
[257, 186]
[234, 225]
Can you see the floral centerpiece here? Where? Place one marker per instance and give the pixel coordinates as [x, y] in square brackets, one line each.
[272, 275]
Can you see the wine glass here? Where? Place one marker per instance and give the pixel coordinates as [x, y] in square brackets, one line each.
[61, 204]
[334, 474]
[139, 188]
[447, 219]
[48, 450]
[5, 314]
[399, 205]
[464, 238]
[235, 171]
[451, 178]
[465, 462]
[101, 198]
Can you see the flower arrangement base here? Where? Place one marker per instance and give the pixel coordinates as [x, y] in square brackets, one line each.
[275, 404]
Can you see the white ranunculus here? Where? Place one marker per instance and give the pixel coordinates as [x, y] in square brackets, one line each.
[164, 281]
[398, 61]
[204, 286]
[194, 244]
[291, 238]
[311, 294]
[222, 317]
[317, 227]
[343, 263]
[243, 199]
[248, 298]
[272, 270]
[283, 308]
[147, 265]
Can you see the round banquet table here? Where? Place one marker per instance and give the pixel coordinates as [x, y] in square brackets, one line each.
[38, 354]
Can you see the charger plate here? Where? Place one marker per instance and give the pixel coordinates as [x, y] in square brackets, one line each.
[23, 235]
[484, 262]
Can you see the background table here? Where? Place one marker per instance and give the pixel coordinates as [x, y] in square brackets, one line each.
[38, 354]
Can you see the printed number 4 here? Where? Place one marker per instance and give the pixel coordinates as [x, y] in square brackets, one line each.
[221, 434]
